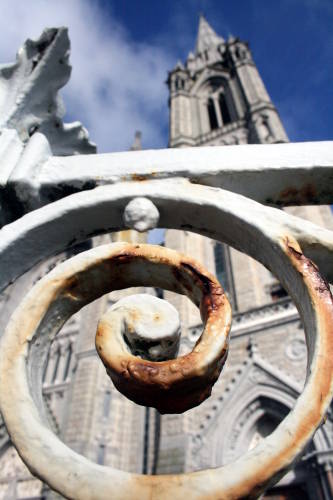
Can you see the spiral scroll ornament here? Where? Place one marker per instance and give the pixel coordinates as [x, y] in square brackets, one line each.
[60, 201]
[259, 231]
[174, 385]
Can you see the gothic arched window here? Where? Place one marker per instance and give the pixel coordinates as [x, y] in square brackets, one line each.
[56, 364]
[224, 109]
[216, 104]
[180, 84]
[101, 454]
[212, 114]
[262, 428]
[69, 353]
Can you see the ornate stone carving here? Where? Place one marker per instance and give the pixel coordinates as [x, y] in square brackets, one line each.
[296, 349]
[256, 375]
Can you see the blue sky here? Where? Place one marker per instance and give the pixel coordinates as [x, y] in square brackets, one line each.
[122, 50]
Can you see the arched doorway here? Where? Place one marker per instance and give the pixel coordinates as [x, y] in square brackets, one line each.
[258, 419]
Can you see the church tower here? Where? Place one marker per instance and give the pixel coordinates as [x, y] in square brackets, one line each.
[218, 97]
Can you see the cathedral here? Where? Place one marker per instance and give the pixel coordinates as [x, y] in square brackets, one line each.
[216, 97]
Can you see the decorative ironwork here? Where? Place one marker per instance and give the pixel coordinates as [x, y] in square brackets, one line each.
[49, 203]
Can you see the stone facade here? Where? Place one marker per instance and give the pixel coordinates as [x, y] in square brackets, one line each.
[216, 98]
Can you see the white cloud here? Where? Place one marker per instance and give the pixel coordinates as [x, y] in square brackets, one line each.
[116, 86]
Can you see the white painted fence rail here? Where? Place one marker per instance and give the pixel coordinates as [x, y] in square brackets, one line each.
[274, 174]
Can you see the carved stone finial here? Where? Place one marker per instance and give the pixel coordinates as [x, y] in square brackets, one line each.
[137, 146]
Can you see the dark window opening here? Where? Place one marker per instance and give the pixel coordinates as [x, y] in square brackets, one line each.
[107, 403]
[146, 442]
[212, 114]
[157, 436]
[101, 454]
[223, 272]
[292, 492]
[68, 362]
[78, 248]
[180, 84]
[159, 293]
[224, 110]
[221, 266]
[56, 366]
[278, 292]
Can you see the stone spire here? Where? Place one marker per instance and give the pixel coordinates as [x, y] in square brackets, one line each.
[206, 36]
[137, 146]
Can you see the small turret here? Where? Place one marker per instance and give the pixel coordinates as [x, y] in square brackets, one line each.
[137, 146]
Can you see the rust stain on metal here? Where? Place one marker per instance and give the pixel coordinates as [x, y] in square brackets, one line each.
[139, 177]
[189, 377]
[72, 291]
[136, 177]
[260, 473]
[176, 385]
[323, 375]
[134, 315]
[304, 195]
